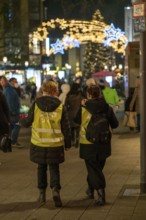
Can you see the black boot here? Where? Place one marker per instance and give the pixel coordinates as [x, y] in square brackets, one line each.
[42, 196]
[90, 193]
[101, 197]
[56, 197]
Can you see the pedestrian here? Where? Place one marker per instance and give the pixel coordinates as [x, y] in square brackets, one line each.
[14, 83]
[50, 135]
[4, 116]
[95, 155]
[136, 101]
[111, 96]
[127, 108]
[33, 92]
[89, 82]
[65, 88]
[14, 109]
[73, 104]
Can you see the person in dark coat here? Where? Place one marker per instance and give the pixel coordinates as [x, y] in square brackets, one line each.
[14, 109]
[4, 115]
[15, 85]
[4, 120]
[33, 92]
[95, 154]
[73, 104]
[50, 135]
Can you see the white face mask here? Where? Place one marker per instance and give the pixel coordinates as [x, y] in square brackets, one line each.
[16, 85]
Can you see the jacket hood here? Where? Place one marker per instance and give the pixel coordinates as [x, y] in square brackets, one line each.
[65, 88]
[48, 103]
[95, 106]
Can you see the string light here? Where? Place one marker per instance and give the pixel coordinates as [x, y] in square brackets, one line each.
[82, 32]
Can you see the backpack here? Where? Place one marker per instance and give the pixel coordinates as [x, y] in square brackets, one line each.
[98, 130]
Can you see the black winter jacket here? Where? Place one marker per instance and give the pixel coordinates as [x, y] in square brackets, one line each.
[48, 155]
[73, 104]
[100, 151]
[4, 115]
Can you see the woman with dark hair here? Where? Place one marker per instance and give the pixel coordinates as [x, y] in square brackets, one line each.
[95, 154]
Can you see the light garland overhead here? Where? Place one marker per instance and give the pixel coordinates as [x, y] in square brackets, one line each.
[115, 35]
[84, 32]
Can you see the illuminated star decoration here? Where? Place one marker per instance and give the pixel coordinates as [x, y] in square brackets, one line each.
[58, 47]
[76, 43]
[112, 34]
[70, 42]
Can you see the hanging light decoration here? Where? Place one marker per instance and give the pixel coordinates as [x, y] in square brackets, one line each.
[82, 32]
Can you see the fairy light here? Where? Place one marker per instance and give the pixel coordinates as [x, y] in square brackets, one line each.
[84, 32]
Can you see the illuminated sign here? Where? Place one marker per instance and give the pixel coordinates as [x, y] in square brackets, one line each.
[139, 9]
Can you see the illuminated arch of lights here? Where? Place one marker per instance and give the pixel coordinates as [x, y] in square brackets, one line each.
[81, 32]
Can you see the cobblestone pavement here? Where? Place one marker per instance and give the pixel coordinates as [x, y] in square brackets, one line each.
[19, 193]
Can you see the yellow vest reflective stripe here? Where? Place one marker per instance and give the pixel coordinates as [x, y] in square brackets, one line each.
[85, 120]
[46, 128]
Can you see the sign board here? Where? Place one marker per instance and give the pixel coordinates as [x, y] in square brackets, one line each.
[139, 10]
[139, 24]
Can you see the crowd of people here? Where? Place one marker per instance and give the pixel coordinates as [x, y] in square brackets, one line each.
[58, 117]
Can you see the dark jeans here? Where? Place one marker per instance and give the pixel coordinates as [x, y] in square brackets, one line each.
[15, 128]
[54, 176]
[95, 177]
[75, 131]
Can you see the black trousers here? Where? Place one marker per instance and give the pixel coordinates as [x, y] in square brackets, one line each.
[75, 131]
[95, 177]
[54, 176]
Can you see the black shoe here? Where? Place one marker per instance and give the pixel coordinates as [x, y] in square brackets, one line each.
[101, 197]
[42, 196]
[90, 193]
[56, 197]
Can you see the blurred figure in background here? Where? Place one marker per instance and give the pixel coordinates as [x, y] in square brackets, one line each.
[89, 82]
[136, 101]
[4, 115]
[111, 96]
[33, 92]
[65, 88]
[14, 109]
[73, 104]
[14, 83]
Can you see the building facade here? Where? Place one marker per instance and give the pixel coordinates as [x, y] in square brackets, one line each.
[18, 19]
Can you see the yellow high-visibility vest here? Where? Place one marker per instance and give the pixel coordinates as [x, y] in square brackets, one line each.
[46, 128]
[85, 120]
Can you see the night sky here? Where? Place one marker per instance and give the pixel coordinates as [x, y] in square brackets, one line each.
[112, 10]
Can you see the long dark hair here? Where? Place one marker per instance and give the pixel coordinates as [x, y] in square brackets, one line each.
[75, 89]
[94, 91]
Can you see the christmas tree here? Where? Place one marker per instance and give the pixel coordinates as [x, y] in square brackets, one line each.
[97, 56]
